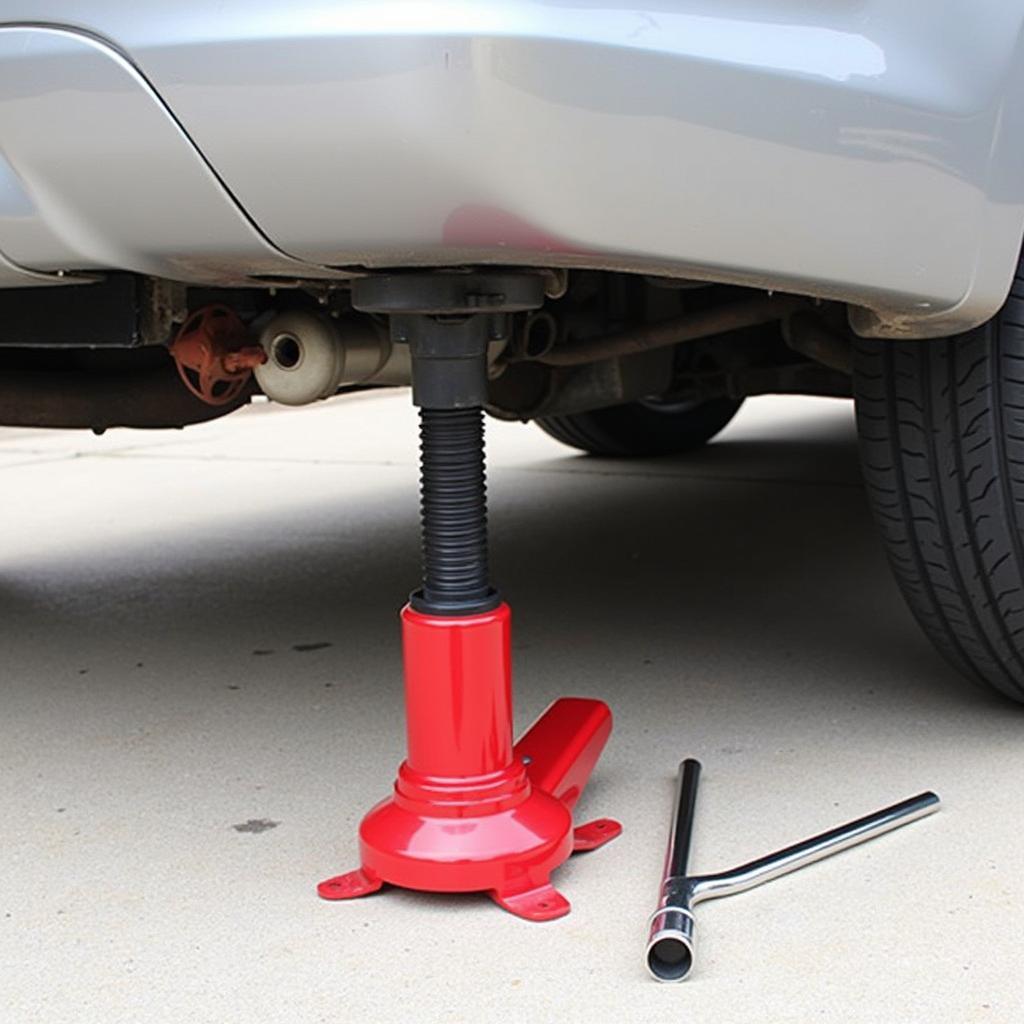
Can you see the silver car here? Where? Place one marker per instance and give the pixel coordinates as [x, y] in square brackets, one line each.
[720, 199]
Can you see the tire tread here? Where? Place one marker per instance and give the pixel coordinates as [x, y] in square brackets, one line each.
[945, 477]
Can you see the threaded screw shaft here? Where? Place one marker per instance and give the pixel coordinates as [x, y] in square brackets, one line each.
[453, 507]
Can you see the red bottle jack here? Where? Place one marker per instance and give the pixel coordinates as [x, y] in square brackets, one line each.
[469, 811]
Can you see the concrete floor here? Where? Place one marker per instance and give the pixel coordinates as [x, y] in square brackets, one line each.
[199, 632]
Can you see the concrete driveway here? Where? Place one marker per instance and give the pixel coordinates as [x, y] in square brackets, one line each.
[200, 695]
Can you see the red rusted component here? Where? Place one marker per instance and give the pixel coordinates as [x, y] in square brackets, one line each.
[213, 356]
[470, 811]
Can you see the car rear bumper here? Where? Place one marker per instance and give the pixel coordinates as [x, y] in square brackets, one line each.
[866, 152]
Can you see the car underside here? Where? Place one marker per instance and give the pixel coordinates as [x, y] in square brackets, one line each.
[115, 353]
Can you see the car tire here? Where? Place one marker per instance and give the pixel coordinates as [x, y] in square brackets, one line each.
[941, 429]
[652, 427]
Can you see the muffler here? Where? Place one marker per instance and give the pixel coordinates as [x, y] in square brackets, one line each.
[670, 947]
[311, 355]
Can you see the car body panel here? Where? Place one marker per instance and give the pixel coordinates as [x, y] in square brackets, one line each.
[95, 173]
[13, 276]
[15, 205]
[858, 150]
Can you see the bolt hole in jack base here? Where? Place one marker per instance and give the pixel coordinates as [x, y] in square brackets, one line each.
[469, 811]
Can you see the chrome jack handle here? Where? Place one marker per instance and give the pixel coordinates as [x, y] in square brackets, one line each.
[670, 946]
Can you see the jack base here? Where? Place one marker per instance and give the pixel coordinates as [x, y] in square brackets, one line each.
[503, 833]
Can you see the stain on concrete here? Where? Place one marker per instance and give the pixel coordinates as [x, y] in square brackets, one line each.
[263, 652]
[256, 825]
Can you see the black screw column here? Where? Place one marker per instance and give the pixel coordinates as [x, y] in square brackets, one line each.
[453, 508]
[448, 319]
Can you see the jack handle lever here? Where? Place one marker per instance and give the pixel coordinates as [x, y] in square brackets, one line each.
[670, 946]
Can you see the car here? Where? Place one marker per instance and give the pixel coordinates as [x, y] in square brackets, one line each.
[716, 201]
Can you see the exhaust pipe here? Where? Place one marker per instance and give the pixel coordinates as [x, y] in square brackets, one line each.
[670, 948]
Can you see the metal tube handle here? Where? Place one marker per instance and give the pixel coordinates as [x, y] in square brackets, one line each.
[670, 938]
[670, 947]
[807, 851]
[681, 833]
